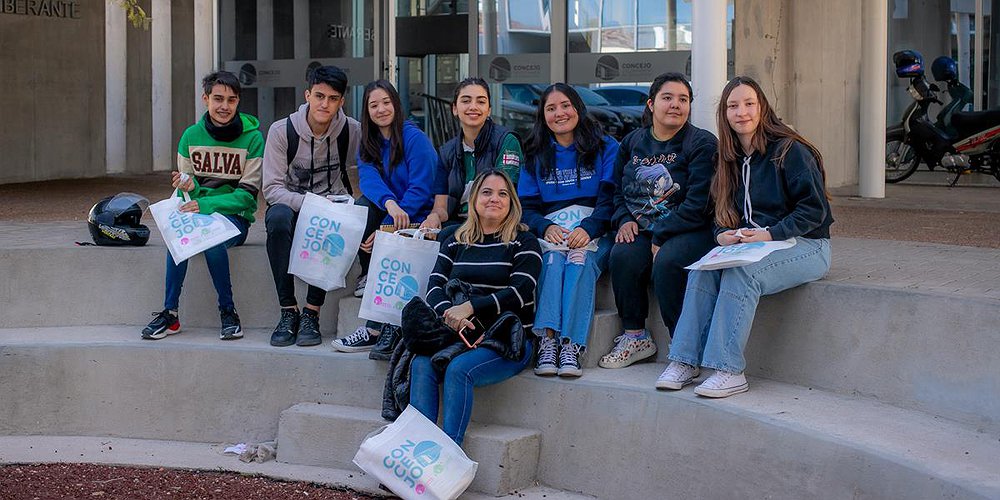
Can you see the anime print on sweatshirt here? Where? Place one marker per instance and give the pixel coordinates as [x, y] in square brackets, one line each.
[225, 163]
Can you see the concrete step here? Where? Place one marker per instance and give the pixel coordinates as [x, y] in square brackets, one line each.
[608, 434]
[328, 435]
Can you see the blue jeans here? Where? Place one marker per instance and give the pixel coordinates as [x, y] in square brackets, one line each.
[719, 306]
[217, 259]
[474, 368]
[566, 293]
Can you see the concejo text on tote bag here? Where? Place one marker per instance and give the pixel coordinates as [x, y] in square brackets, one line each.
[399, 270]
[326, 240]
[416, 460]
[187, 234]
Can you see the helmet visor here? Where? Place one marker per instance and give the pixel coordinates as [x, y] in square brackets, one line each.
[122, 202]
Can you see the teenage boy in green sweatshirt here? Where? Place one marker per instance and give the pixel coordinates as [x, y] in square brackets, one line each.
[221, 157]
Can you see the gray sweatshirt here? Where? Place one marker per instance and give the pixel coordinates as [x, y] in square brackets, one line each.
[317, 164]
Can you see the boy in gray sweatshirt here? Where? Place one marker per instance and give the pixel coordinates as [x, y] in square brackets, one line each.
[307, 152]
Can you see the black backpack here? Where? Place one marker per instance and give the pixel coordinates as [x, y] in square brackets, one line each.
[343, 140]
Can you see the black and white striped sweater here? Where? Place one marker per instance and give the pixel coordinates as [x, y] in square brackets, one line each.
[507, 273]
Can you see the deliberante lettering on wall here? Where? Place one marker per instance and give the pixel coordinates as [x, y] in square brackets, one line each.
[63, 9]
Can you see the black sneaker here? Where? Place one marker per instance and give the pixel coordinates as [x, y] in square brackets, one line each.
[386, 343]
[288, 327]
[358, 341]
[309, 329]
[230, 325]
[164, 323]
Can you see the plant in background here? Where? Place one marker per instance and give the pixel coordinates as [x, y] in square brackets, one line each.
[135, 13]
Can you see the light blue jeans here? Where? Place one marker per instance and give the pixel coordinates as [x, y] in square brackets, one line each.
[719, 306]
[567, 291]
[453, 389]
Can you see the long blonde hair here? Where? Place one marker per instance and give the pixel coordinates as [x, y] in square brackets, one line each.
[471, 231]
[727, 172]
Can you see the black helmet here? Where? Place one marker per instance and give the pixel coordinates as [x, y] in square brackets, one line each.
[114, 220]
[944, 69]
[909, 63]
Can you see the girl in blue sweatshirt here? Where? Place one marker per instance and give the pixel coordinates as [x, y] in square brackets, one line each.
[396, 164]
[769, 185]
[566, 189]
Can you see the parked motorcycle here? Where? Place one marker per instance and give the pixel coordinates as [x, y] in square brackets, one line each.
[961, 142]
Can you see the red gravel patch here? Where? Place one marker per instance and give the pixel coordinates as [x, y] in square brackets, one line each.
[105, 482]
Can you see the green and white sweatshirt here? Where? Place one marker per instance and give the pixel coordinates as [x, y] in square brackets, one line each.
[225, 163]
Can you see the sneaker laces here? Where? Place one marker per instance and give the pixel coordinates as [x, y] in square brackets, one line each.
[229, 317]
[569, 354]
[547, 351]
[165, 314]
[719, 380]
[621, 343]
[675, 370]
[286, 320]
[308, 322]
[359, 335]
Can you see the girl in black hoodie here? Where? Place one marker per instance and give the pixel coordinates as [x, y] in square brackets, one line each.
[769, 185]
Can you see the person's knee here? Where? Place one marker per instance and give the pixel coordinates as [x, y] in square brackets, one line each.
[278, 219]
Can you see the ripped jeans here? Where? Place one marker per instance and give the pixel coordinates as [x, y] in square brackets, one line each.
[567, 290]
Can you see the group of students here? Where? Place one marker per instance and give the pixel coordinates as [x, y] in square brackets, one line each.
[656, 203]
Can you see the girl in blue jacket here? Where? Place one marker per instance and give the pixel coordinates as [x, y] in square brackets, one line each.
[396, 164]
[769, 185]
[568, 175]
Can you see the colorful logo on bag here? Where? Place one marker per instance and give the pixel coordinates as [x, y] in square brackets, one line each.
[323, 236]
[184, 224]
[568, 219]
[408, 461]
[395, 279]
[739, 248]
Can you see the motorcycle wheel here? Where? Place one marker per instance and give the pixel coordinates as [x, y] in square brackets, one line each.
[901, 160]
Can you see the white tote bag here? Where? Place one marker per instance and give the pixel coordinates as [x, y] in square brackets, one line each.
[416, 460]
[739, 254]
[398, 272]
[187, 234]
[326, 240]
[568, 218]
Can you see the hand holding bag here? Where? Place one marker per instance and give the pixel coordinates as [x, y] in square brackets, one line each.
[187, 234]
[327, 237]
[399, 270]
[416, 460]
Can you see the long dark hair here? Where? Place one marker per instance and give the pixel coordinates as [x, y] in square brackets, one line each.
[658, 83]
[587, 137]
[472, 80]
[371, 138]
[727, 173]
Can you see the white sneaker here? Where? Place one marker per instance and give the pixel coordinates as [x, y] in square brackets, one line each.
[359, 286]
[628, 350]
[722, 384]
[547, 353]
[677, 375]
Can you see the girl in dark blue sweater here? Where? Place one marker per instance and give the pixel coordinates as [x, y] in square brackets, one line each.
[396, 164]
[769, 185]
[567, 190]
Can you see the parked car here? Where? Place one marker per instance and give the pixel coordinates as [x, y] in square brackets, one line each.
[519, 101]
[630, 116]
[633, 96]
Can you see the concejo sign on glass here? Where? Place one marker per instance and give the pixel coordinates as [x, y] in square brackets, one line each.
[515, 68]
[292, 72]
[625, 67]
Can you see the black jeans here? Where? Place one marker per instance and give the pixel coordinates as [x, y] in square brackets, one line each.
[280, 222]
[375, 217]
[632, 265]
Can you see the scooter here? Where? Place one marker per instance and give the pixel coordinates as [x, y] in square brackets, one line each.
[961, 142]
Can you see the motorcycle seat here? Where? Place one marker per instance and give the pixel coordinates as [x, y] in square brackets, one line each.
[972, 122]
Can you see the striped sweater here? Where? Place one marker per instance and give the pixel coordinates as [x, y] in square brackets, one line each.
[507, 273]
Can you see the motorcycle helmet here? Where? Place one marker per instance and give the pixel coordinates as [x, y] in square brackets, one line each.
[909, 63]
[114, 221]
[944, 69]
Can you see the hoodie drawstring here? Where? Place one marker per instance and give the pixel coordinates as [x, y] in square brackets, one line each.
[329, 181]
[747, 204]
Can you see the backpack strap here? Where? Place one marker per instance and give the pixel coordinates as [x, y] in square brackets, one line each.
[293, 141]
[343, 141]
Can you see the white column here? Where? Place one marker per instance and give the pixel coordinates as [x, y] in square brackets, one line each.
[874, 68]
[390, 41]
[204, 44]
[708, 59]
[472, 55]
[964, 55]
[265, 52]
[114, 86]
[163, 150]
[557, 40]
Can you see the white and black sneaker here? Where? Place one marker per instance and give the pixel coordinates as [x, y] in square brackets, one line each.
[164, 323]
[722, 384]
[548, 353]
[230, 324]
[359, 286]
[569, 360]
[677, 375]
[359, 341]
